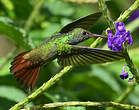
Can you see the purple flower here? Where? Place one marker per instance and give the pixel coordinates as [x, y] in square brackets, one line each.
[115, 42]
[131, 79]
[134, 15]
[129, 38]
[120, 27]
[124, 75]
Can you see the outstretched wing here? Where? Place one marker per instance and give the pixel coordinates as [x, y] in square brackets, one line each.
[85, 23]
[85, 55]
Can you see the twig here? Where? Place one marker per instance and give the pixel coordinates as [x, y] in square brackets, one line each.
[86, 104]
[65, 70]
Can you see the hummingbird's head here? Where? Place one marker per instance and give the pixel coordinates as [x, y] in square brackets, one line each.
[78, 35]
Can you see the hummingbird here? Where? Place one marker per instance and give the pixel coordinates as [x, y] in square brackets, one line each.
[62, 46]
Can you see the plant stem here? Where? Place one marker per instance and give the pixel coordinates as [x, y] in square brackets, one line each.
[123, 17]
[131, 65]
[86, 104]
[81, 1]
[33, 14]
[129, 11]
[96, 42]
[45, 86]
[106, 14]
[125, 94]
[129, 62]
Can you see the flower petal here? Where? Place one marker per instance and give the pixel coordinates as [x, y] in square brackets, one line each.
[109, 33]
[116, 42]
[120, 27]
[129, 38]
[124, 75]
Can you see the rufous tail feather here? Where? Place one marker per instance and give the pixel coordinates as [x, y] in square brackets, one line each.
[25, 71]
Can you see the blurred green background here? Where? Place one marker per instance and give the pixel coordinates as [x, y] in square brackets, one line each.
[86, 83]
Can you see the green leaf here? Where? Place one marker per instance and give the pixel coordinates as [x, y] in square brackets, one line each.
[60, 94]
[12, 93]
[86, 86]
[134, 96]
[8, 4]
[22, 8]
[105, 76]
[11, 96]
[57, 7]
[4, 71]
[14, 33]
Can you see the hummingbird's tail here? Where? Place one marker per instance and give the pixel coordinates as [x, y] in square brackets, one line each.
[25, 71]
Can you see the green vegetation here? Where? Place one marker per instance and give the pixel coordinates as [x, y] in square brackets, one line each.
[27, 23]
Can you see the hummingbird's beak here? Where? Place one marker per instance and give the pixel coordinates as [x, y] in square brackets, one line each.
[96, 35]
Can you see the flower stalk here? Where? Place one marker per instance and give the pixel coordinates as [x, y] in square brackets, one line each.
[131, 65]
[125, 94]
[86, 104]
[115, 42]
[106, 14]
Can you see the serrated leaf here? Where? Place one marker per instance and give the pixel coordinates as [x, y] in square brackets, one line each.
[14, 33]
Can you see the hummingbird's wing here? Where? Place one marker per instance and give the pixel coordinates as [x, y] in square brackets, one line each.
[85, 23]
[85, 55]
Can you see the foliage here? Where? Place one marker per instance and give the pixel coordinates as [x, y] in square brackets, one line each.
[99, 82]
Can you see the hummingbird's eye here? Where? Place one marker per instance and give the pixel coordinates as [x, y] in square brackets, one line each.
[84, 33]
